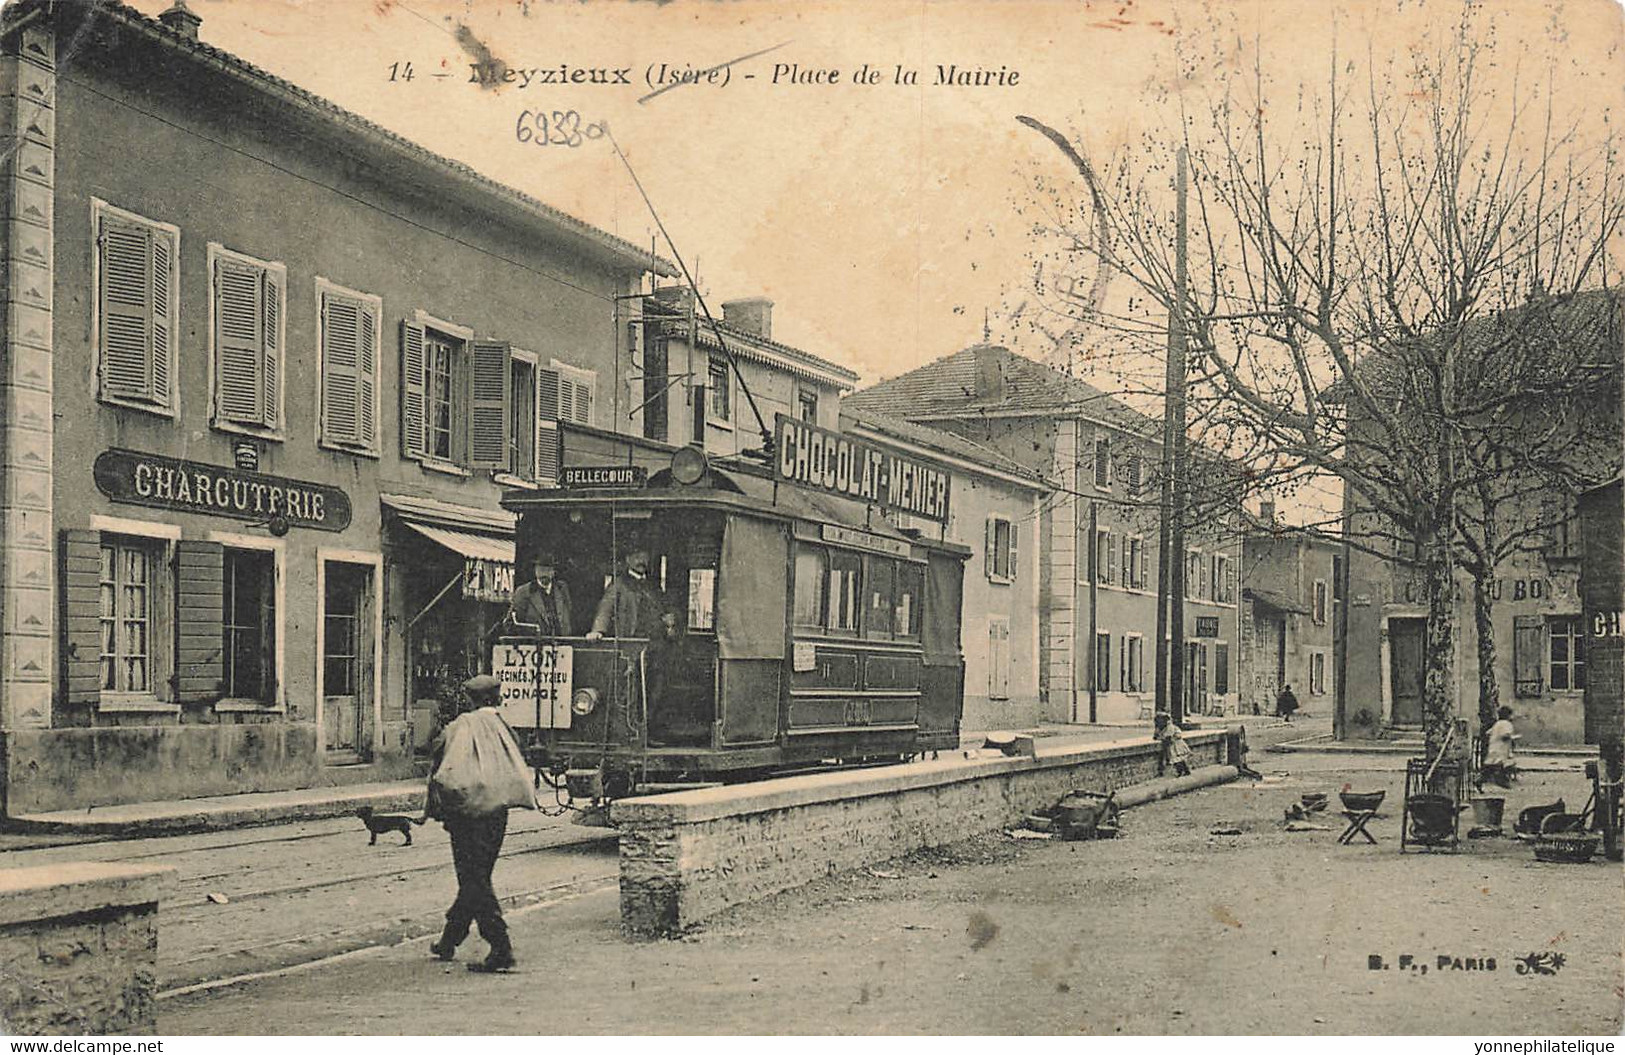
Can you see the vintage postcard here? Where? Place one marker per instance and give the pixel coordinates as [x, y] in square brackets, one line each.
[1049, 517]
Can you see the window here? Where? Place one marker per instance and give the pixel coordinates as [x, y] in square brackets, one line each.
[879, 573]
[126, 613]
[656, 387]
[1224, 579]
[522, 419]
[1133, 663]
[348, 343]
[1317, 673]
[998, 659]
[1562, 534]
[1528, 655]
[807, 405]
[442, 403]
[246, 329]
[1103, 461]
[1105, 557]
[720, 386]
[844, 595]
[1134, 562]
[1000, 555]
[137, 309]
[1193, 573]
[249, 609]
[577, 388]
[1103, 662]
[1566, 640]
[1221, 668]
[910, 589]
[811, 562]
[1320, 601]
[1337, 578]
[1136, 474]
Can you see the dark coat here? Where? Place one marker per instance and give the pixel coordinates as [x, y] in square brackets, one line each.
[531, 605]
[630, 608]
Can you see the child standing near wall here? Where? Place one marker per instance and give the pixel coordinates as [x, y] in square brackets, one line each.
[1175, 751]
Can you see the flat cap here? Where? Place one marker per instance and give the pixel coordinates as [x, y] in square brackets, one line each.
[482, 685]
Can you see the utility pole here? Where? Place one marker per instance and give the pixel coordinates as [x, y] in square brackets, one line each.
[1094, 600]
[1175, 467]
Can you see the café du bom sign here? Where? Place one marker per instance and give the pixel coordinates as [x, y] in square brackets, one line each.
[844, 465]
[194, 487]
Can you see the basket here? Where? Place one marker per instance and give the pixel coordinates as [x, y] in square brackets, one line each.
[1572, 848]
[1361, 801]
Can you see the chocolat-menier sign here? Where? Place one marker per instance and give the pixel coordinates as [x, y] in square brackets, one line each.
[215, 490]
[840, 464]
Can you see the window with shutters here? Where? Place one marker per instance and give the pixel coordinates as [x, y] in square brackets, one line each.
[445, 375]
[1528, 655]
[1322, 597]
[1317, 673]
[248, 607]
[1103, 462]
[1224, 579]
[1221, 668]
[137, 309]
[442, 402]
[246, 328]
[1103, 662]
[577, 390]
[1133, 663]
[1193, 573]
[719, 383]
[999, 557]
[129, 567]
[522, 404]
[998, 658]
[1566, 642]
[349, 328]
[1136, 474]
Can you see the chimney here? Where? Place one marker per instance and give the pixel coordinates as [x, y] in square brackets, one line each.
[179, 19]
[989, 373]
[751, 315]
[1266, 512]
[676, 298]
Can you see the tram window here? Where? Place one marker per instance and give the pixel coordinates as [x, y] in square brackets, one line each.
[877, 621]
[810, 573]
[910, 588]
[845, 572]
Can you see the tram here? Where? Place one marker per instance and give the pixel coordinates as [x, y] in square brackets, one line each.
[799, 628]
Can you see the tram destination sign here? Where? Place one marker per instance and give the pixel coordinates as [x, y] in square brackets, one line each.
[855, 468]
[603, 476]
[216, 490]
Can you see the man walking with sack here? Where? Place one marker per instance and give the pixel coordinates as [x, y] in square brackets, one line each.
[478, 773]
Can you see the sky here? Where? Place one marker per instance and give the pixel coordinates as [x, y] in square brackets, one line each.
[890, 222]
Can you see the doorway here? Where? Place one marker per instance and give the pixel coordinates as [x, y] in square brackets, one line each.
[346, 662]
[1405, 668]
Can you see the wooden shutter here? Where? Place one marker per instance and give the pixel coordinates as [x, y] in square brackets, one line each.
[163, 268]
[991, 548]
[341, 369]
[1014, 525]
[81, 615]
[128, 306]
[1528, 654]
[490, 388]
[271, 349]
[1143, 549]
[200, 620]
[548, 448]
[413, 390]
[367, 379]
[239, 334]
[1111, 559]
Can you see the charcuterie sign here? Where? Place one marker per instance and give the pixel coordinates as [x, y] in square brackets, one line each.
[215, 490]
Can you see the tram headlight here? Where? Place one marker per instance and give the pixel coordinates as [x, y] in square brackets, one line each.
[584, 701]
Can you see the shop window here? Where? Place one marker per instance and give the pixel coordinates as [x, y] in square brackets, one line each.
[999, 558]
[350, 324]
[807, 405]
[845, 597]
[1221, 668]
[137, 309]
[249, 610]
[910, 589]
[720, 386]
[246, 342]
[126, 614]
[1566, 641]
[811, 567]
[879, 576]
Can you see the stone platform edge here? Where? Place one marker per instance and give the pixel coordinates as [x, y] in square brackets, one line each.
[214, 814]
[740, 800]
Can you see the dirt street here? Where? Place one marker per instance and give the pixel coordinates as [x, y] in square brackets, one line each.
[1169, 929]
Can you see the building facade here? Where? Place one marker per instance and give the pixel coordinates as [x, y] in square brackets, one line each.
[1289, 610]
[995, 509]
[1097, 534]
[268, 369]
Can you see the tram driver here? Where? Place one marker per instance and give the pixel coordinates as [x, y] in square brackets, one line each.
[632, 607]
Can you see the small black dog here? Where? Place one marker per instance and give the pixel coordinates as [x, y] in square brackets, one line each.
[381, 823]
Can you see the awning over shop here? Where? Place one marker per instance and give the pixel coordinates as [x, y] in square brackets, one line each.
[1278, 601]
[478, 547]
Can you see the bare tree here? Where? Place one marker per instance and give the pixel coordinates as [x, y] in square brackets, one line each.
[1352, 244]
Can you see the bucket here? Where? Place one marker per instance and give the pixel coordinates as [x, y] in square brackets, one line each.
[1487, 811]
[1433, 818]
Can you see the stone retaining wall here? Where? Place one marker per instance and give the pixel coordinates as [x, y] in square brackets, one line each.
[79, 948]
[687, 856]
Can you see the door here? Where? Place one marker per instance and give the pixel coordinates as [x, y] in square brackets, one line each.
[1405, 640]
[346, 662]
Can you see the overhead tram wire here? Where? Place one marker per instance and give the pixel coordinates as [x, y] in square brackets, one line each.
[733, 361]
